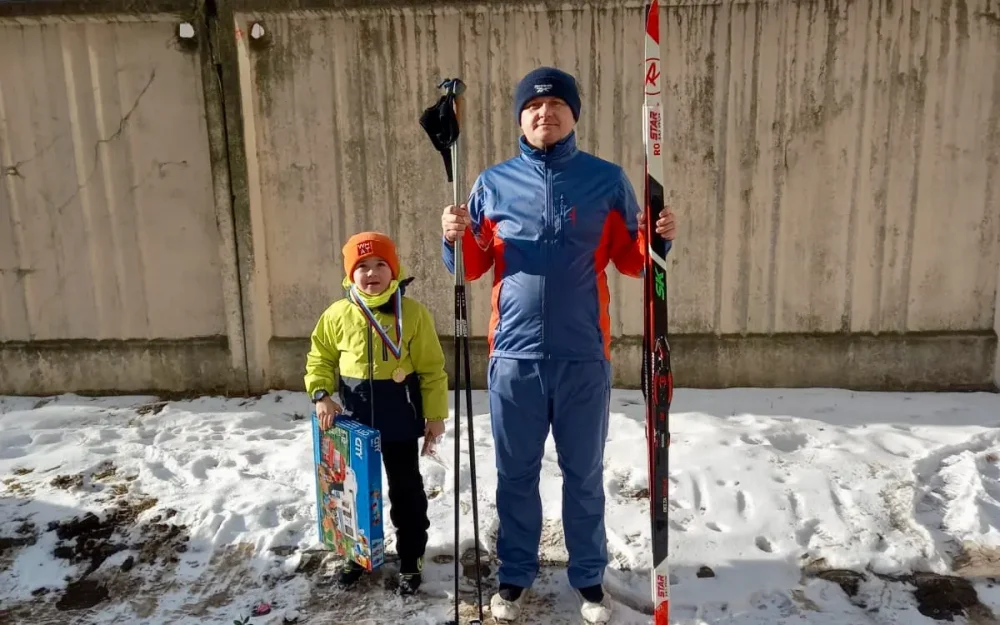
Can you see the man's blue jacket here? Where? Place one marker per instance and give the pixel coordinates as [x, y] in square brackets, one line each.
[549, 222]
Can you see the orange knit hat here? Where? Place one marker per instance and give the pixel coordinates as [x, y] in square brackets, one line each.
[366, 245]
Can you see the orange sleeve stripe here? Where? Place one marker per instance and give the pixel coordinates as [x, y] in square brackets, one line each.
[478, 251]
[628, 254]
[498, 270]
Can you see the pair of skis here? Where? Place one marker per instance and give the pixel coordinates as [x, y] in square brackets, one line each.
[441, 122]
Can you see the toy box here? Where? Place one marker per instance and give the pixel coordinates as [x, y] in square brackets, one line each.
[348, 460]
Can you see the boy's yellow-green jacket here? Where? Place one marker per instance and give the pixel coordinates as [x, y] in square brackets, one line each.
[348, 357]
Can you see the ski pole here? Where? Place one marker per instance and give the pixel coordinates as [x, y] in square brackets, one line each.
[459, 284]
[462, 335]
[441, 122]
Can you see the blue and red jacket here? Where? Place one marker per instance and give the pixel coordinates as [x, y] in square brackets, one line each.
[549, 222]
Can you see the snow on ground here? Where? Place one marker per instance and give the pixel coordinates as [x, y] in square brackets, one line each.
[202, 508]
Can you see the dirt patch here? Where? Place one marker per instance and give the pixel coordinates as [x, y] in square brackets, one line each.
[642, 493]
[943, 597]
[16, 488]
[67, 482]
[940, 597]
[90, 539]
[25, 535]
[153, 408]
[977, 561]
[93, 540]
[82, 595]
[849, 581]
[105, 471]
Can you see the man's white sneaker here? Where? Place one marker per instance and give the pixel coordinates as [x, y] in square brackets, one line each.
[596, 609]
[596, 613]
[505, 606]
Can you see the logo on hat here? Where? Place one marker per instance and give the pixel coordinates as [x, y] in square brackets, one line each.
[365, 247]
[543, 88]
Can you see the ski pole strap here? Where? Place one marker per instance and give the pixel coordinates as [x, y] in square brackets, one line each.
[441, 121]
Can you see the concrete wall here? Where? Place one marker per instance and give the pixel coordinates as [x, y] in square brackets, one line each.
[833, 165]
[117, 269]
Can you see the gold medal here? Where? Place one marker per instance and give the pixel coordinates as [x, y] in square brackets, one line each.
[398, 375]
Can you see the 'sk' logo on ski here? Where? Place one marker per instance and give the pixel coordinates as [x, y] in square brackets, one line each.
[652, 76]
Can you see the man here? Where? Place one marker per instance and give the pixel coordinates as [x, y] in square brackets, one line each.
[549, 221]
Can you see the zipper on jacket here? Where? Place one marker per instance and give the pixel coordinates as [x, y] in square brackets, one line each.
[547, 231]
[371, 378]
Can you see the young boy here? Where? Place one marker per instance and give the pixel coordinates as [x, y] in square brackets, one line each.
[380, 352]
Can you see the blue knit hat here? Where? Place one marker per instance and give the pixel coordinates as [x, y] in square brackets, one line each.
[547, 81]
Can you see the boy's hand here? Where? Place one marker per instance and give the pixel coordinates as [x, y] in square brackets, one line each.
[434, 429]
[432, 433]
[454, 220]
[327, 411]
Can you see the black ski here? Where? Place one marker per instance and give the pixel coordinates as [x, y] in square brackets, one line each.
[657, 377]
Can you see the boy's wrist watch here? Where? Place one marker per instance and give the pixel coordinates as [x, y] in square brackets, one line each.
[319, 395]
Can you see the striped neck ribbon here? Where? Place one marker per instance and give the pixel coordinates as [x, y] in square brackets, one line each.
[395, 347]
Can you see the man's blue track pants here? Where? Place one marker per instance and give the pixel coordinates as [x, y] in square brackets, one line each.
[527, 397]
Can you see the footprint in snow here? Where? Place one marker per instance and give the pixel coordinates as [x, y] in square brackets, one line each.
[764, 544]
[271, 435]
[795, 504]
[253, 457]
[108, 435]
[268, 517]
[48, 438]
[201, 467]
[164, 437]
[8, 453]
[744, 504]
[12, 441]
[805, 533]
[789, 442]
[786, 442]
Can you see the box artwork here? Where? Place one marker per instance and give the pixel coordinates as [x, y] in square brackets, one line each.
[348, 460]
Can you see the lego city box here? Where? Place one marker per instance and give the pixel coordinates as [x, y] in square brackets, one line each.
[348, 461]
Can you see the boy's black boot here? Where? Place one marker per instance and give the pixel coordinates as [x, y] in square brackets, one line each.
[410, 576]
[350, 573]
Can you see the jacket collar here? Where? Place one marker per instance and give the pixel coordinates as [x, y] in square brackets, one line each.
[558, 153]
[384, 300]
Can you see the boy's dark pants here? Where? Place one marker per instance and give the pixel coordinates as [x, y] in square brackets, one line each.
[407, 500]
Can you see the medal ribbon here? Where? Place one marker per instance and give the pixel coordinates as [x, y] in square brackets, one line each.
[397, 347]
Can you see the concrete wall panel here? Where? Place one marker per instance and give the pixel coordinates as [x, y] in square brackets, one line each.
[107, 202]
[835, 166]
[110, 233]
